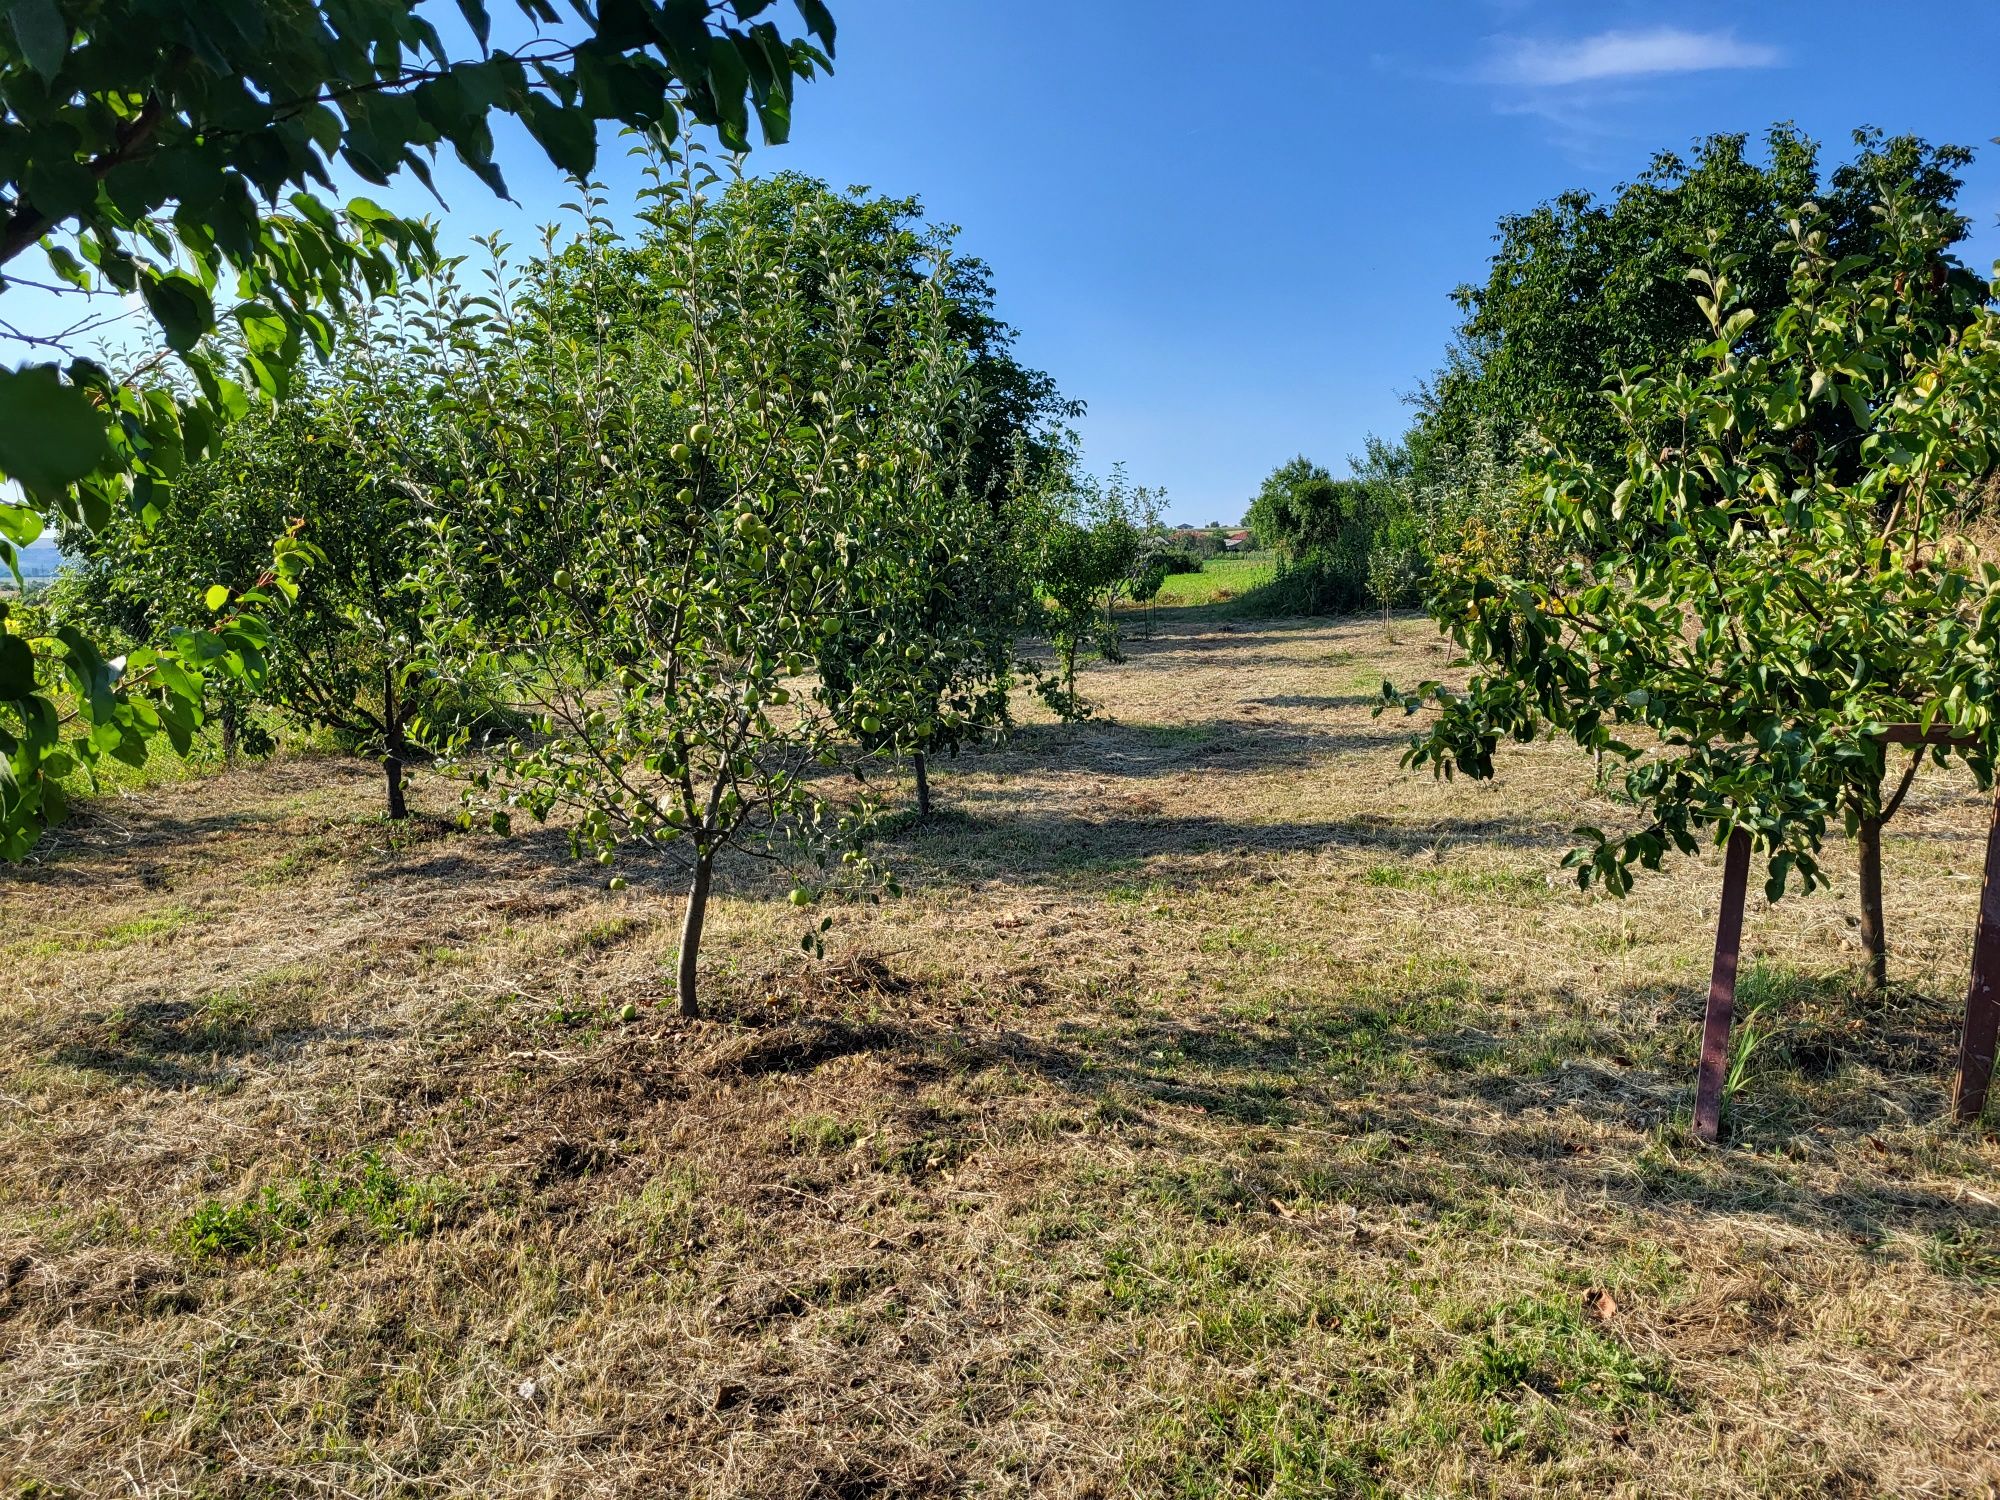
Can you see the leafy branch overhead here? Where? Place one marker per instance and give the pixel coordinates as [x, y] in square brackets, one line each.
[182, 153]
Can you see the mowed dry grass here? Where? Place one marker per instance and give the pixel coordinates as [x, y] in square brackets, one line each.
[1221, 1110]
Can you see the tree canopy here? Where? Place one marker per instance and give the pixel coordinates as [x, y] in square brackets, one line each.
[183, 152]
[1580, 289]
[684, 513]
[1299, 508]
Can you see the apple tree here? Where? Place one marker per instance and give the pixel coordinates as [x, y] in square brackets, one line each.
[1092, 554]
[650, 532]
[1771, 572]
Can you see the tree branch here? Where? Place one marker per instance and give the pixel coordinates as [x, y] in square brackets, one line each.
[27, 224]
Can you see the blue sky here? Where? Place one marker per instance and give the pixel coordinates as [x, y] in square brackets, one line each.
[1233, 230]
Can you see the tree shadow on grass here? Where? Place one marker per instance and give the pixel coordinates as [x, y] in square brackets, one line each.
[270, 842]
[1234, 660]
[1425, 1101]
[1089, 855]
[1236, 613]
[176, 1044]
[95, 847]
[152, 842]
[533, 855]
[1244, 743]
[1326, 703]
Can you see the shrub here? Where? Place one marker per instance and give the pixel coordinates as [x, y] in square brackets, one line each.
[1172, 560]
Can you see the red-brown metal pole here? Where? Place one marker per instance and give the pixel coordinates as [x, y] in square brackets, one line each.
[1722, 989]
[1982, 997]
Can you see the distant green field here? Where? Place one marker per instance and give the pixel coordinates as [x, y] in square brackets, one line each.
[1222, 579]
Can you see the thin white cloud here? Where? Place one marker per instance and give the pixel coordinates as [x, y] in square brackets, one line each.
[1542, 63]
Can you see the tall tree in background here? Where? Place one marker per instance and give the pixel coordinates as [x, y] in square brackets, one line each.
[1581, 289]
[822, 234]
[1298, 509]
[1018, 419]
[1345, 542]
[178, 151]
[932, 667]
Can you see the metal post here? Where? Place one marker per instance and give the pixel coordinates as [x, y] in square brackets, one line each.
[1722, 989]
[1982, 997]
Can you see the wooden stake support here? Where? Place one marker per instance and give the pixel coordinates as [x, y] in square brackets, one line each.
[1722, 988]
[1980, 1037]
[1982, 998]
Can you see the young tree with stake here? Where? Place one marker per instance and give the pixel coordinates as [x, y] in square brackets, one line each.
[1771, 573]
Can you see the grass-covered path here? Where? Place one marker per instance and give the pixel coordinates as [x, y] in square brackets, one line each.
[1220, 1111]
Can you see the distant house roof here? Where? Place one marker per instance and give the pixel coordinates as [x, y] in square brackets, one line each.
[1239, 535]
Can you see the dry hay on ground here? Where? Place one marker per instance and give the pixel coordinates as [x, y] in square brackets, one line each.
[1221, 1111]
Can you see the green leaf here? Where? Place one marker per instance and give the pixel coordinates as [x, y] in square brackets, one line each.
[51, 435]
[60, 187]
[182, 308]
[93, 677]
[17, 667]
[216, 596]
[263, 329]
[476, 17]
[1857, 404]
[177, 680]
[819, 20]
[569, 136]
[43, 34]
[19, 525]
[727, 79]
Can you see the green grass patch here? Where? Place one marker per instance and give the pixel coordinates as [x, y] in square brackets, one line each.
[1154, 893]
[1277, 1444]
[1547, 1347]
[821, 1135]
[363, 1195]
[608, 933]
[1965, 1254]
[1175, 736]
[1444, 880]
[1206, 1192]
[299, 861]
[1078, 859]
[152, 925]
[665, 1217]
[125, 934]
[1241, 940]
[1220, 580]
